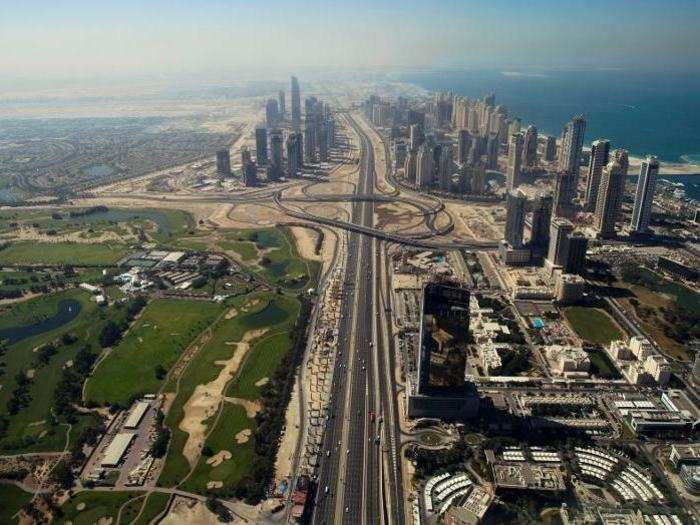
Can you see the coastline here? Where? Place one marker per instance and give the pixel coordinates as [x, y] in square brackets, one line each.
[666, 168]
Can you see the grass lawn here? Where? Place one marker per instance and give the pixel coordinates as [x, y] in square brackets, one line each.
[154, 505]
[31, 429]
[232, 420]
[73, 253]
[593, 324]
[165, 328]
[601, 365]
[132, 509]
[12, 499]
[97, 505]
[276, 312]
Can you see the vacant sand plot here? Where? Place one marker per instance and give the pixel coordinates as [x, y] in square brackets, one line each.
[185, 510]
[205, 399]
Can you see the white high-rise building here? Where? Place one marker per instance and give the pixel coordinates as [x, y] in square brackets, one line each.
[424, 166]
[600, 153]
[607, 210]
[515, 159]
[646, 184]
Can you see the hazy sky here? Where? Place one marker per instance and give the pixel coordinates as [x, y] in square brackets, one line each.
[104, 37]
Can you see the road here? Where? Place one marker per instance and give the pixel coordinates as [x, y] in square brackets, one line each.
[354, 484]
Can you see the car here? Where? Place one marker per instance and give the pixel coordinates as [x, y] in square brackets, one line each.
[328, 453]
[347, 452]
[325, 491]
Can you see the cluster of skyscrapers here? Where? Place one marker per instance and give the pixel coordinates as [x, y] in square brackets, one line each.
[282, 157]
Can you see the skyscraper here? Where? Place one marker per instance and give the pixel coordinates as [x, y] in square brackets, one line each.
[410, 166]
[541, 219]
[600, 153]
[416, 136]
[296, 105]
[274, 170]
[644, 197]
[399, 154]
[445, 164]
[515, 218]
[576, 254]
[295, 154]
[550, 148]
[282, 103]
[250, 173]
[271, 113]
[570, 163]
[463, 143]
[515, 155]
[492, 147]
[530, 146]
[607, 211]
[424, 166]
[223, 162]
[559, 233]
[261, 146]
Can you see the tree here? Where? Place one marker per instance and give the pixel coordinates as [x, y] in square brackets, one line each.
[160, 371]
[110, 334]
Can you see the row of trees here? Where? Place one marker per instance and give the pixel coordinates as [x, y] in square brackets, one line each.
[112, 331]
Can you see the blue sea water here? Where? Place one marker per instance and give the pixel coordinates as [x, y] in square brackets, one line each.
[644, 112]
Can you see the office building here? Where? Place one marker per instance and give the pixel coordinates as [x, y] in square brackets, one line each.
[576, 254]
[609, 202]
[309, 142]
[322, 140]
[530, 147]
[223, 162]
[463, 145]
[515, 154]
[515, 218]
[295, 154]
[541, 219]
[250, 174]
[550, 148]
[492, 147]
[274, 171]
[271, 113]
[644, 197]
[410, 166]
[559, 232]
[572, 142]
[261, 146]
[417, 137]
[281, 103]
[600, 153]
[400, 150]
[445, 164]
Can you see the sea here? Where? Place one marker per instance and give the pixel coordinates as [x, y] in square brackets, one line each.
[647, 113]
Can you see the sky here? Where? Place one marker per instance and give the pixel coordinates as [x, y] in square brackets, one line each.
[44, 38]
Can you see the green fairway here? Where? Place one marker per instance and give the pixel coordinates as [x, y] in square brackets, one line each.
[73, 253]
[165, 328]
[262, 360]
[154, 505]
[12, 499]
[593, 325]
[276, 313]
[97, 505]
[32, 429]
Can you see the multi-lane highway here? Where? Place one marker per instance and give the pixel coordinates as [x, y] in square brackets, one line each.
[358, 479]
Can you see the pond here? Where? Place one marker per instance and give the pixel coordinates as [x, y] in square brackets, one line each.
[68, 309]
[160, 219]
[270, 315]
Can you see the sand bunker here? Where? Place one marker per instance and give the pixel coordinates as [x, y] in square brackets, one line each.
[80, 507]
[231, 313]
[243, 436]
[218, 458]
[215, 484]
[262, 381]
[251, 407]
[205, 399]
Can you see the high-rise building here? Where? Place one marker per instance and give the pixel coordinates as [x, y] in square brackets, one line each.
[261, 146]
[514, 126]
[296, 105]
[572, 142]
[576, 254]
[271, 113]
[424, 166]
[622, 158]
[550, 148]
[515, 218]
[559, 233]
[410, 166]
[223, 162]
[600, 153]
[399, 154]
[309, 143]
[530, 147]
[416, 136]
[515, 156]
[322, 141]
[463, 144]
[245, 156]
[281, 103]
[610, 192]
[445, 165]
[274, 170]
[250, 174]
[644, 197]
[541, 219]
[492, 147]
[295, 154]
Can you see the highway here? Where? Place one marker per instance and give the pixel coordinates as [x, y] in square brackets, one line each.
[353, 473]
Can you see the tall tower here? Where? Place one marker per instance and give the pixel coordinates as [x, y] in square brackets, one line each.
[600, 153]
[424, 166]
[281, 102]
[570, 163]
[541, 220]
[559, 233]
[492, 147]
[296, 105]
[223, 162]
[445, 167]
[261, 146]
[409, 169]
[515, 156]
[295, 154]
[271, 113]
[416, 136]
[463, 143]
[274, 170]
[643, 199]
[607, 210]
[530, 146]
[515, 218]
[576, 256]
[550, 148]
